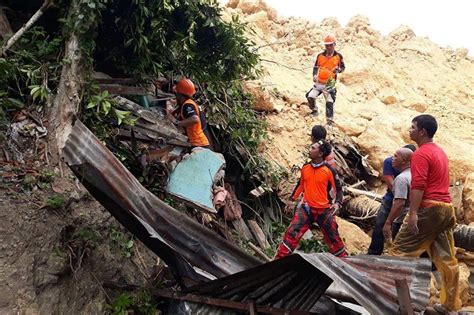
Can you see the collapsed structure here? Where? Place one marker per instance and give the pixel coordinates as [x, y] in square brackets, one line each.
[196, 255]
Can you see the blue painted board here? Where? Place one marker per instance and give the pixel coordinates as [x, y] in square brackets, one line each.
[192, 179]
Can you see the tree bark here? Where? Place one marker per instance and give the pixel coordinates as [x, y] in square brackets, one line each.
[5, 28]
[65, 106]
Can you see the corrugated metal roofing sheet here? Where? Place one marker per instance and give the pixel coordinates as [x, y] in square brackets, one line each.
[172, 235]
[296, 282]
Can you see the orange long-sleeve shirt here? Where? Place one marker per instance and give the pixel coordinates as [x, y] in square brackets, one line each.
[315, 183]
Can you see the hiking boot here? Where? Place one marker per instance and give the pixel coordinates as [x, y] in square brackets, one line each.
[315, 112]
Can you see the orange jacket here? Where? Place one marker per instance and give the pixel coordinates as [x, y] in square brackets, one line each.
[316, 183]
[195, 132]
[324, 66]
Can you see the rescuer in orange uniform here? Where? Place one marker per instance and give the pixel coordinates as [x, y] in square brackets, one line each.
[328, 64]
[317, 182]
[189, 115]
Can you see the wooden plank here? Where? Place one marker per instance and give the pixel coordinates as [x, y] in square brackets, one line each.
[258, 233]
[259, 252]
[252, 308]
[359, 192]
[258, 192]
[150, 136]
[225, 303]
[242, 229]
[404, 299]
[158, 153]
[156, 131]
[117, 89]
[126, 134]
[362, 182]
[342, 149]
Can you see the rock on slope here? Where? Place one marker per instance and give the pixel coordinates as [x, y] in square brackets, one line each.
[388, 80]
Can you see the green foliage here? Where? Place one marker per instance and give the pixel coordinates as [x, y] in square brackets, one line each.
[144, 303]
[182, 37]
[331, 83]
[140, 302]
[313, 245]
[103, 107]
[174, 36]
[87, 234]
[121, 304]
[275, 233]
[57, 201]
[40, 92]
[29, 73]
[125, 243]
[47, 176]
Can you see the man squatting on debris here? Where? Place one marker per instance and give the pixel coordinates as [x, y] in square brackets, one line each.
[316, 183]
[429, 224]
[326, 67]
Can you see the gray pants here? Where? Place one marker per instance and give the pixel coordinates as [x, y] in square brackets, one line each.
[329, 95]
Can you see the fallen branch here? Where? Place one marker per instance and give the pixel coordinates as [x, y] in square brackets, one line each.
[46, 4]
[259, 252]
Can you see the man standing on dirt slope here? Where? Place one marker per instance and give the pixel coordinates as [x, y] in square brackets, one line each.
[429, 223]
[189, 115]
[328, 64]
[389, 173]
[316, 183]
[401, 193]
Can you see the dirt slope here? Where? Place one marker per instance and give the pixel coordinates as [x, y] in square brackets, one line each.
[388, 80]
[55, 261]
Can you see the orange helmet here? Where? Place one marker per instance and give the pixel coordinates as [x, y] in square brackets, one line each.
[185, 87]
[329, 40]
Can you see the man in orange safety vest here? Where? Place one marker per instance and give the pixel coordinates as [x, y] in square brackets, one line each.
[328, 64]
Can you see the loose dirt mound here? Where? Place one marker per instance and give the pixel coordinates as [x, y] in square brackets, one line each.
[389, 80]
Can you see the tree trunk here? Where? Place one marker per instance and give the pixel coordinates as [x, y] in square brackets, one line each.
[5, 28]
[67, 100]
[65, 105]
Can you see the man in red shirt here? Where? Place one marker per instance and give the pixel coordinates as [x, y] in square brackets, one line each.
[429, 223]
[316, 183]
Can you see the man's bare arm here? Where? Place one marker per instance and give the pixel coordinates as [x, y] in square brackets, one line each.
[396, 210]
[188, 121]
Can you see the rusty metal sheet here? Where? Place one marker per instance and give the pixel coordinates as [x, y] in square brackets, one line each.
[172, 235]
[370, 280]
[297, 282]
